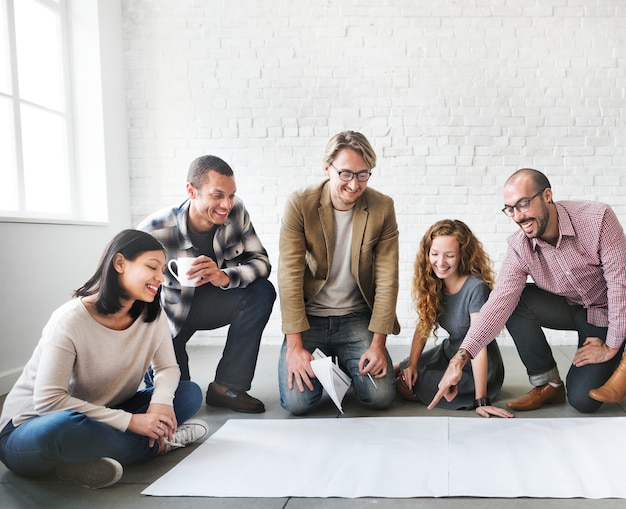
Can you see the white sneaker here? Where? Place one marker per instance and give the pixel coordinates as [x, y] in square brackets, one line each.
[93, 474]
[187, 433]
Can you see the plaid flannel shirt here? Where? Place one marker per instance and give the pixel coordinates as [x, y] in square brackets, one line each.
[238, 252]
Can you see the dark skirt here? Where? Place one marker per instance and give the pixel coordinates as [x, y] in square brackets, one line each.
[434, 362]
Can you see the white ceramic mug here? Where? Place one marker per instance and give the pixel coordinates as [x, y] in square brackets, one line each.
[182, 266]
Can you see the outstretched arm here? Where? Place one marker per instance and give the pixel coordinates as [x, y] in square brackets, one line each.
[451, 377]
[480, 366]
[480, 369]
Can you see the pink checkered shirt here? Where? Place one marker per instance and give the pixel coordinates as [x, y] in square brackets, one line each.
[587, 267]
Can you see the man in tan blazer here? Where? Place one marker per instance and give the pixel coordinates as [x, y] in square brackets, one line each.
[338, 279]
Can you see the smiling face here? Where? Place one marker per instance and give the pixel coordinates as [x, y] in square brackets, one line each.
[211, 203]
[534, 222]
[444, 257]
[141, 278]
[345, 194]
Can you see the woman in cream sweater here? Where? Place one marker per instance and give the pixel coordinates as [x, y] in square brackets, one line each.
[76, 408]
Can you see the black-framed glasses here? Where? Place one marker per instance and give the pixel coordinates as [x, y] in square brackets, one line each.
[347, 176]
[521, 206]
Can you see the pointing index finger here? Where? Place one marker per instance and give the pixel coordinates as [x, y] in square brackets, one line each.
[437, 397]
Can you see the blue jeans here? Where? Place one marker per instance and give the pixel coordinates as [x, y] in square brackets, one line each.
[346, 337]
[247, 311]
[538, 308]
[40, 444]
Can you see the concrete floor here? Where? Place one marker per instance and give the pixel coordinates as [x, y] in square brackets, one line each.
[19, 492]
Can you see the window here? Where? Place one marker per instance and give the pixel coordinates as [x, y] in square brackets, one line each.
[38, 176]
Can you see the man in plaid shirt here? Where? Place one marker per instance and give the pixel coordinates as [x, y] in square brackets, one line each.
[575, 253]
[213, 226]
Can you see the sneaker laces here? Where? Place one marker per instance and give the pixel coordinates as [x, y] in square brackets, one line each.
[185, 434]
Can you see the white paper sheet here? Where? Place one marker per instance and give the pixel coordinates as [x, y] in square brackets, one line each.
[314, 458]
[546, 458]
[401, 457]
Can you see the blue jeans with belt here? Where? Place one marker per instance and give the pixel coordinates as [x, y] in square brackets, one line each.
[38, 445]
[538, 308]
[346, 337]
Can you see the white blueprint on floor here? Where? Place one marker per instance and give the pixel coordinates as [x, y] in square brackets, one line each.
[398, 457]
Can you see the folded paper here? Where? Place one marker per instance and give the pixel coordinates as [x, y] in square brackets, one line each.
[335, 382]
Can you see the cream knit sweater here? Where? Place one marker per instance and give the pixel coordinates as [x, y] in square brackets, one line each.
[82, 365]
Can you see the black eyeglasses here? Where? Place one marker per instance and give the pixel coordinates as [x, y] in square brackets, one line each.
[347, 176]
[521, 206]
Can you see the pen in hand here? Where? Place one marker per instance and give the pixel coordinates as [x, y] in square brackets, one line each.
[370, 376]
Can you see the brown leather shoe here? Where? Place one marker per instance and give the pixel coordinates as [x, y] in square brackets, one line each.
[239, 401]
[614, 390]
[538, 397]
[403, 389]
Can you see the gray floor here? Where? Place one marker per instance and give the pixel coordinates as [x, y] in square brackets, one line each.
[18, 492]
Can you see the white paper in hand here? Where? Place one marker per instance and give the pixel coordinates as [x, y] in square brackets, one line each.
[332, 378]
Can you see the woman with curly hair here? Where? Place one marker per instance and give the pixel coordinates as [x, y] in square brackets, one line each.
[451, 281]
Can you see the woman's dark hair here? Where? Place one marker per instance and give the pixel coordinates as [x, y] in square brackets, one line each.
[105, 282]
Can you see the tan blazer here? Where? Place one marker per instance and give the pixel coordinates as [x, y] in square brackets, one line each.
[307, 243]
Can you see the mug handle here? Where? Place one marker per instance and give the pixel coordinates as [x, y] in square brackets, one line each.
[169, 266]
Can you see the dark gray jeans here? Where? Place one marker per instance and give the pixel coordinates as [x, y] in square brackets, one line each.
[538, 308]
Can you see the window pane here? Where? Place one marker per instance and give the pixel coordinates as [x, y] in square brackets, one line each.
[5, 61]
[46, 173]
[39, 59]
[9, 199]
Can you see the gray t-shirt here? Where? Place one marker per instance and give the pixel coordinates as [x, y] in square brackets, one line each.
[340, 295]
[457, 308]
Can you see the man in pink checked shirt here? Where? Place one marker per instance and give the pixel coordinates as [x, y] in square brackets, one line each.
[575, 253]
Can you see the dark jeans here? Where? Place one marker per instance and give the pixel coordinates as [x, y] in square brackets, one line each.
[40, 444]
[247, 310]
[538, 308]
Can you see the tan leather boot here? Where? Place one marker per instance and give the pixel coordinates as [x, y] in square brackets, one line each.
[614, 390]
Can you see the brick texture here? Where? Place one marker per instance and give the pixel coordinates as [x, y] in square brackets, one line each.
[454, 95]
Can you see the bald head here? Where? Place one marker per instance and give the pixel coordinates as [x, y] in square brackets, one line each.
[539, 180]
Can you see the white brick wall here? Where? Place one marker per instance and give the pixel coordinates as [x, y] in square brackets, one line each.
[454, 95]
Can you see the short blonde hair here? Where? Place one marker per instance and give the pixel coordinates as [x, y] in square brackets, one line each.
[353, 140]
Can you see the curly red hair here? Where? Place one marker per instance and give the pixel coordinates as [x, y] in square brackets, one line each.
[427, 287]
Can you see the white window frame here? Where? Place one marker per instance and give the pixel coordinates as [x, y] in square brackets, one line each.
[82, 114]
